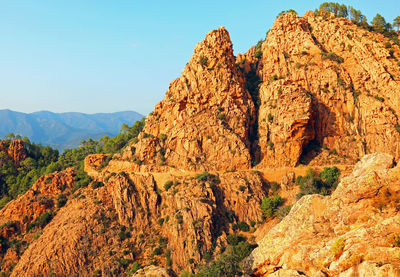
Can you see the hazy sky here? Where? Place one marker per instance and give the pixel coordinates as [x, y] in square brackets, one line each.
[106, 56]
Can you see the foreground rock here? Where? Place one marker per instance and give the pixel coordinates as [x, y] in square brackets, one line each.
[352, 232]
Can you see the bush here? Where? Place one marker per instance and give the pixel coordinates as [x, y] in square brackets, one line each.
[203, 61]
[269, 205]
[185, 273]
[134, 268]
[324, 183]
[157, 251]
[97, 184]
[243, 226]
[168, 185]
[205, 176]
[168, 259]
[4, 201]
[234, 239]
[332, 56]
[61, 200]
[242, 188]
[388, 45]
[162, 137]
[179, 218]
[41, 221]
[396, 241]
[229, 263]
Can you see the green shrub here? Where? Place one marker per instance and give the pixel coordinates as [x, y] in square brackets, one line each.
[388, 45]
[275, 187]
[41, 221]
[61, 200]
[168, 185]
[97, 184]
[243, 226]
[397, 127]
[185, 273]
[379, 98]
[269, 205]
[234, 239]
[162, 137]
[168, 258]
[324, 183]
[203, 61]
[4, 201]
[157, 251]
[332, 56]
[179, 218]
[205, 176]
[396, 241]
[105, 162]
[229, 263]
[242, 188]
[135, 267]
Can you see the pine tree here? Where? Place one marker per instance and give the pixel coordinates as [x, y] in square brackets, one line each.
[396, 22]
[379, 23]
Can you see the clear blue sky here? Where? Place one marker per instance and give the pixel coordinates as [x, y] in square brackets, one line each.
[105, 56]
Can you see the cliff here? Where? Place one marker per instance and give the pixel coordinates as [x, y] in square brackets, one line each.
[328, 82]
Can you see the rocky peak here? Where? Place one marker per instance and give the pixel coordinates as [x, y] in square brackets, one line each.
[350, 79]
[204, 120]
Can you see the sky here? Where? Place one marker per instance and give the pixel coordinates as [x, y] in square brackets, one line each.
[107, 56]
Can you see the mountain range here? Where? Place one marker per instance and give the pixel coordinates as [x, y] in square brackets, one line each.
[64, 130]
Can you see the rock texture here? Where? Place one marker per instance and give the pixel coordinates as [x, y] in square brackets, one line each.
[328, 81]
[204, 121]
[137, 213]
[349, 233]
[15, 150]
[18, 218]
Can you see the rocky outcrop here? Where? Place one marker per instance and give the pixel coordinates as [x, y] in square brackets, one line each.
[23, 217]
[41, 198]
[15, 150]
[329, 82]
[174, 221]
[204, 121]
[351, 232]
[152, 270]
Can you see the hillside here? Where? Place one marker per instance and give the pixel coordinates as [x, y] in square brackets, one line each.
[64, 130]
[278, 162]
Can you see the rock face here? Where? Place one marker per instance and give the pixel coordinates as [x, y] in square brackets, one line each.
[15, 150]
[204, 121]
[352, 232]
[328, 81]
[22, 216]
[136, 213]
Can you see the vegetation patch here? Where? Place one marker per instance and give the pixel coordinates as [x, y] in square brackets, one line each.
[323, 183]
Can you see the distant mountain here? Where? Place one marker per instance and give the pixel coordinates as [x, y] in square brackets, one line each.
[64, 130]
